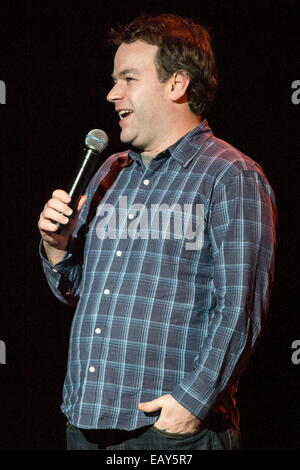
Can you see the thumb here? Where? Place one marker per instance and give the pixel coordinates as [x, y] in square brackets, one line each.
[77, 210]
[74, 217]
[81, 203]
[149, 406]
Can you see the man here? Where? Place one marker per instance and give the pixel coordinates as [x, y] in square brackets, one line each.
[164, 322]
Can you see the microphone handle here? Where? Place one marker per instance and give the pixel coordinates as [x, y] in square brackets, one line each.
[80, 181]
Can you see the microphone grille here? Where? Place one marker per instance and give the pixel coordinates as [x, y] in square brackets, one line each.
[96, 140]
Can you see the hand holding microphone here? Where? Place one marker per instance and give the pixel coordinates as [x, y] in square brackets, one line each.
[60, 214]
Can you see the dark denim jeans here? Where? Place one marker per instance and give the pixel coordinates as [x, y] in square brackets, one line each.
[151, 438]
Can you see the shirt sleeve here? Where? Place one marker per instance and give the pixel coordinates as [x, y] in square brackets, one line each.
[64, 278]
[241, 227]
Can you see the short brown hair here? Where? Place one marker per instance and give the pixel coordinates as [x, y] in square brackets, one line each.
[182, 46]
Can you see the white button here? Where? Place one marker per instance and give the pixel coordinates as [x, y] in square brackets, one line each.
[98, 331]
[54, 270]
[118, 253]
[106, 291]
[146, 182]
[92, 369]
[130, 216]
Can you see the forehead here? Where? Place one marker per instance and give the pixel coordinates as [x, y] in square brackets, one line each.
[136, 55]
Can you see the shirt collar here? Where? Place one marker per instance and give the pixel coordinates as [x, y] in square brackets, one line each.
[184, 149]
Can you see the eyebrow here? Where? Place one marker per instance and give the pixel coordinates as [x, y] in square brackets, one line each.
[125, 72]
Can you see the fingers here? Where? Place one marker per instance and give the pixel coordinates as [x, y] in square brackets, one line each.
[59, 202]
[56, 210]
[48, 218]
[150, 406]
[61, 195]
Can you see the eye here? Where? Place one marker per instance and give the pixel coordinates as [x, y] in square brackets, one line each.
[129, 79]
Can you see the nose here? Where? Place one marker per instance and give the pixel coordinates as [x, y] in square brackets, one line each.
[115, 93]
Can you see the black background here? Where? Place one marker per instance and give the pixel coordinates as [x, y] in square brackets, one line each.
[56, 66]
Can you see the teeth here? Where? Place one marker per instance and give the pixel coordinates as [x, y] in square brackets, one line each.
[124, 113]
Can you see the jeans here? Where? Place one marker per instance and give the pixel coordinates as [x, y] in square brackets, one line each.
[151, 438]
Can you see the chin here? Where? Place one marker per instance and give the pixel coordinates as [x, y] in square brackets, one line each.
[126, 139]
[131, 141]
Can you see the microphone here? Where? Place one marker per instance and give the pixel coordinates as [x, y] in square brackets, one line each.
[96, 141]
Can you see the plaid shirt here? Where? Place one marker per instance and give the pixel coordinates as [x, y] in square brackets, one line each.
[153, 317]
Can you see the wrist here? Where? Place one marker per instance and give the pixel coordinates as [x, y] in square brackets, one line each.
[54, 254]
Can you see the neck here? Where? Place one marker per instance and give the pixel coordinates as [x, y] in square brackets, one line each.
[175, 133]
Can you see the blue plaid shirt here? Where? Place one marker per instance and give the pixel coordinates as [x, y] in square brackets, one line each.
[152, 316]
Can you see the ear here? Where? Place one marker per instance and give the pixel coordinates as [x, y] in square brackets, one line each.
[179, 83]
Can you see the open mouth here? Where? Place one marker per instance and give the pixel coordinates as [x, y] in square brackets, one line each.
[124, 113]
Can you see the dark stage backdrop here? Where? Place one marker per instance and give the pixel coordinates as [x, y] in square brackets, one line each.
[55, 73]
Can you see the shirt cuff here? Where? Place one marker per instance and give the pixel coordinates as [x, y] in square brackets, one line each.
[191, 401]
[58, 267]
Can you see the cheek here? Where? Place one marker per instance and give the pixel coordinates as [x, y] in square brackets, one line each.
[151, 110]
[149, 105]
